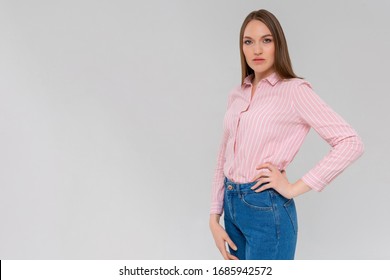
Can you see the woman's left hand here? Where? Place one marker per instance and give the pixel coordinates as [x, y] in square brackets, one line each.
[276, 180]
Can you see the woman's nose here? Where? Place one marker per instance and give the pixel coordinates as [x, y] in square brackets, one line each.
[258, 49]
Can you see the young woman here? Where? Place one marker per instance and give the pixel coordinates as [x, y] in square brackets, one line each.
[267, 119]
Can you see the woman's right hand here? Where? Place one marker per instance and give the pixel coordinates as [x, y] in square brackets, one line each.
[221, 237]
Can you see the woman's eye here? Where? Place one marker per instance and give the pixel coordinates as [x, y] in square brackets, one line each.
[247, 42]
[267, 40]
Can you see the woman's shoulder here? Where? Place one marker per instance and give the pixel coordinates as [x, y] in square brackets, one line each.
[237, 89]
[295, 83]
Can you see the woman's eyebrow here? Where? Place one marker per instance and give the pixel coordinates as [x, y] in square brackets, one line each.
[261, 36]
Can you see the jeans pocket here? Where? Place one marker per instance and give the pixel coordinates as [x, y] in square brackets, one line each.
[289, 205]
[260, 201]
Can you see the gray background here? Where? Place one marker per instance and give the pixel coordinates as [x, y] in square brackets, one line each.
[111, 117]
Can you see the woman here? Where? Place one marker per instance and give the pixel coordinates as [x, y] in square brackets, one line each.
[268, 116]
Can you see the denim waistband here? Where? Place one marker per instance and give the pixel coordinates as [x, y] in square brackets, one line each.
[241, 186]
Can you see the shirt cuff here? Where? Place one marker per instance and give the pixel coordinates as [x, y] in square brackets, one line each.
[313, 182]
[216, 209]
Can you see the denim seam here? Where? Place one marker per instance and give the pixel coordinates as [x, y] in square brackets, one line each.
[230, 206]
[286, 207]
[276, 216]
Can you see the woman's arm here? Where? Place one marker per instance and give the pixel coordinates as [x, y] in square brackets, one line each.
[217, 195]
[298, 188]
[346, 145]
[217, 190]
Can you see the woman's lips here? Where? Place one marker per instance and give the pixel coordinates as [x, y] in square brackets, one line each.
[258, 60]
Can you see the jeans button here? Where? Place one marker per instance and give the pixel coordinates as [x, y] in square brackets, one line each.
[230, 187]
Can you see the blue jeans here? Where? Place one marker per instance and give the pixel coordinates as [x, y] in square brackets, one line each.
[262, 225]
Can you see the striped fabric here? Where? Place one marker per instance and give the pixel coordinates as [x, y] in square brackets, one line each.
[272, 126]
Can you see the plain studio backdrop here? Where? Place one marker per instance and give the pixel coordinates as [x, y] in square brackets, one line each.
[111, 118]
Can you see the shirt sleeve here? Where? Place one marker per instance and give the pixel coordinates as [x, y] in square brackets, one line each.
[346, 145]
[217, 192]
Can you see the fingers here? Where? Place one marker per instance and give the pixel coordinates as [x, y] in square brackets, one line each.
[262, 174]
[221, 238]
[226, 255]
[231, 243]
[264, 178]
[256, 186]
[261, 182]
[267, 165]
[264, 187]
[231, 257]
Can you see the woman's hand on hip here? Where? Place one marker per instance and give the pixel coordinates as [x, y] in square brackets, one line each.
[221, 238]
[276, 179]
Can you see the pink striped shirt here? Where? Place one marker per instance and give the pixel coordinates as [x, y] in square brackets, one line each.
[272, 126]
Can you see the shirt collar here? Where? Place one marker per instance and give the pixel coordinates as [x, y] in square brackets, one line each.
[272, 79]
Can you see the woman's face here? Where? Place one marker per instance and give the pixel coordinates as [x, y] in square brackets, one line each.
[259, 48]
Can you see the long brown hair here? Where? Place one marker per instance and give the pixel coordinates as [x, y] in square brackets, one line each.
[282, 62]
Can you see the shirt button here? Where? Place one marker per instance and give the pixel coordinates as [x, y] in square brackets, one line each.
[230, 187]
